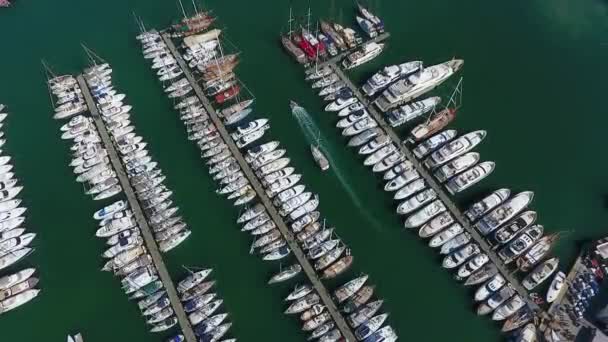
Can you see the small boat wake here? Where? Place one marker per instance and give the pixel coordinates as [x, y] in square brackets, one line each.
[313, 136]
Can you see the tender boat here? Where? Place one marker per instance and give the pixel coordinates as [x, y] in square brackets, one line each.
[319, 157]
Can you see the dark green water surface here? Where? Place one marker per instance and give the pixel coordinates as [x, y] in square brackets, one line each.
[535, 73]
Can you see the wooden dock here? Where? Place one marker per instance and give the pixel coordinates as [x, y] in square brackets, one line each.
[138, 213]
[428, 177]
[257, 186]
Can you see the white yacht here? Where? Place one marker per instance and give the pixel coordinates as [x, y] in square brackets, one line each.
[455, 148]
[417, 84]
[388, 75]
[411, 111]
[365, 54]
[470, 177]
[504, 212]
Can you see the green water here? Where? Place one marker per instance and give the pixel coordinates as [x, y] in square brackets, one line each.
[535, 73]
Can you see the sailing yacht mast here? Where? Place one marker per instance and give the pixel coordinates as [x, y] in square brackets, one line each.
[290, 21]
[317, 49]
[195, 9]
[182, 8]
[308, 20]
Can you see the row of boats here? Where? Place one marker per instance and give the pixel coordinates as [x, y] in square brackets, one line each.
[17, 288]
[268, 162]
[145, 176]
[498, 217]
[353, 299]
[90, 161]
[208, 326]
[400, 84]
[329, 38]
[450, 159]
[297, 206]
[327, 254]
[129, 259]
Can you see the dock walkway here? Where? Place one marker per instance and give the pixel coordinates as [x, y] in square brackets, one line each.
[138, 213]
[257, 186]
[428, 177]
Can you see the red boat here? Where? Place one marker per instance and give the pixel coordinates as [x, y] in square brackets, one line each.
[305, 46]
[228, 94]
[315, 43]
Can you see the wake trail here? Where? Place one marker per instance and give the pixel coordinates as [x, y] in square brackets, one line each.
[313, 136]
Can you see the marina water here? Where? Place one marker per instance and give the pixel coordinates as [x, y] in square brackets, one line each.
[534, 73]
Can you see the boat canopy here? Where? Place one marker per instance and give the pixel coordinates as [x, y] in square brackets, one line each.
[195, 40]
